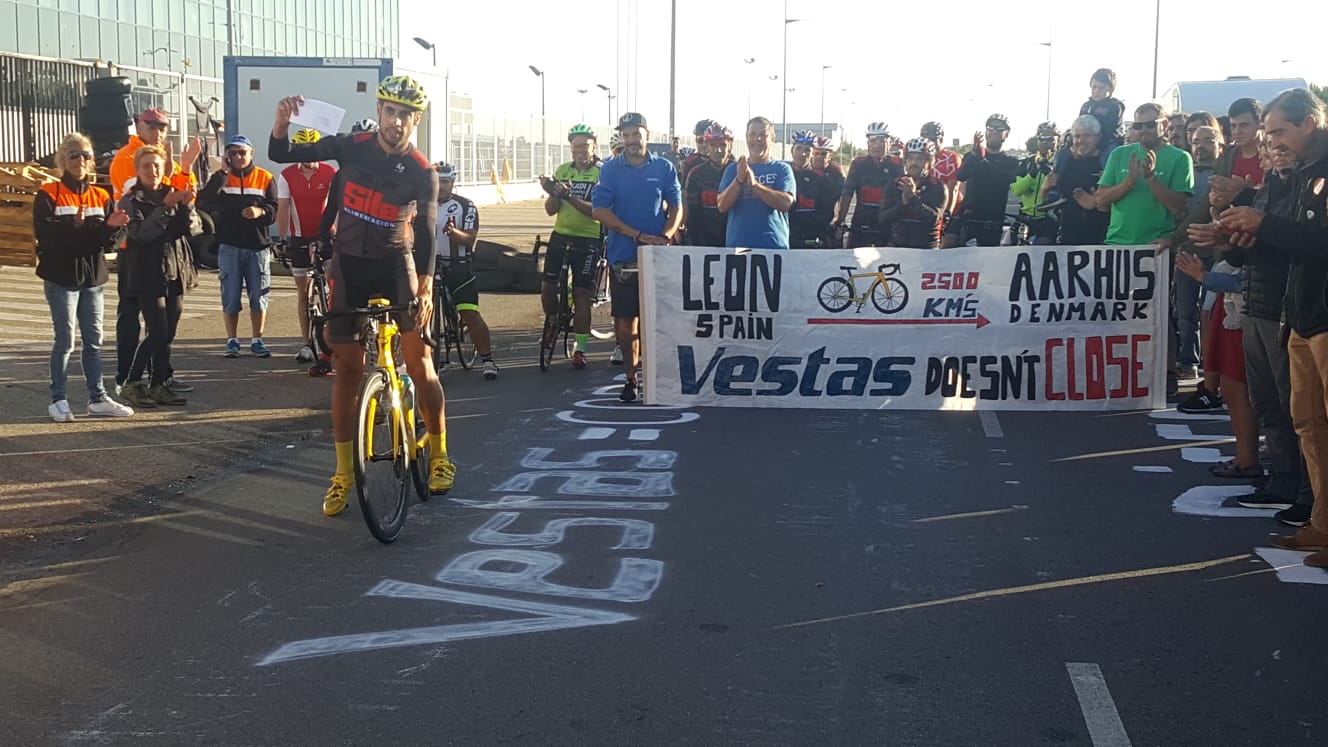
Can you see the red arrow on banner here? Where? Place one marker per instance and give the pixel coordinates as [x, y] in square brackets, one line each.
[978, 323]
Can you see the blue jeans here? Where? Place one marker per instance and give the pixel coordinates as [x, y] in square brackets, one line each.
[248, 267]
[1189, 296]
[84, 305]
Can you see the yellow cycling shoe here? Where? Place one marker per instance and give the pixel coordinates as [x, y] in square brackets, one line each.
[335, 500]
[441, 475]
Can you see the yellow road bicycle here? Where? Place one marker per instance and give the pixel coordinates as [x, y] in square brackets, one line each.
[391, 441]
[888, 294]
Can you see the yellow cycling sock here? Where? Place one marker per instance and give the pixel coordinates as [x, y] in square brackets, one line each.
[345, 458]
[438, 444]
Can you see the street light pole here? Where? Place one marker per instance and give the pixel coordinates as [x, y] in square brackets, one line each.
[582, 91]
[673, 64]
[1047, 44]
[749, 61]
[1157, 30]
[544, 138]
[447, 99]
[823, 69]
[784, 115]
[609, 94]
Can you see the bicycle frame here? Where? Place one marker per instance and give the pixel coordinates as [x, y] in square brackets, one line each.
[386, 339]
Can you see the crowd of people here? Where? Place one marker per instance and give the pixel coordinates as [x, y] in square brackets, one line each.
[1238, 199]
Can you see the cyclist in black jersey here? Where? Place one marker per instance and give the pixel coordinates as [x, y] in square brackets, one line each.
[386, 233]
[814, 207]
[706, 226]
[987, 174]
[914, 206]
[823, 154]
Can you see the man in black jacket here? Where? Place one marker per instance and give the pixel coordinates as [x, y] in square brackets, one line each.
[987, 174]
[1294, 124]
[243, 202]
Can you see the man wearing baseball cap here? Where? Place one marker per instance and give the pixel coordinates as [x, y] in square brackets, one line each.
[243, 203]
[150, 128]
[639, 201]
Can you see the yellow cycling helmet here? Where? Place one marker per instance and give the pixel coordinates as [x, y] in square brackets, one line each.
[306, 136]
[404, 90]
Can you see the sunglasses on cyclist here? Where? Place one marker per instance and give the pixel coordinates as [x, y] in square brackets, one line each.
[83, 154]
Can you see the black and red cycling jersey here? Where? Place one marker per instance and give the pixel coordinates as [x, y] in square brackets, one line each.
[685, 168]
[378, 194]
[918, 224]
[836, 177]
[813, 209]
[867, 180]
[706, 226]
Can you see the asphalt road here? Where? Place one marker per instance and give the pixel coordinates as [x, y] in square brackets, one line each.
[608, 574]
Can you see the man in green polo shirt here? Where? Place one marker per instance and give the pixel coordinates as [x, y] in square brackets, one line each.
[1145, 184]
[576, 236]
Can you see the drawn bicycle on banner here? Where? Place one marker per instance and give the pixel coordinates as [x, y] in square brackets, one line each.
[888, 294]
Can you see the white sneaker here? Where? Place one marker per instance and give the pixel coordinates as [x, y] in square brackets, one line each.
[306, 355]
[616, 359]
[60, 411]
[109, 408]
[490, 370]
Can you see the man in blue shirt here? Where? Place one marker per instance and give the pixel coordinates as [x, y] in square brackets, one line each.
[757, 193]
[638, 201]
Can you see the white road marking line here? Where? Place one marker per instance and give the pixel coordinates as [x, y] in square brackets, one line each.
[1104, 724]
[1193, 416]
[1152, 468]
[990, 424]
[972, 514]
[1290, 566]
[643, 434]
[596, 434]
[1201, 455]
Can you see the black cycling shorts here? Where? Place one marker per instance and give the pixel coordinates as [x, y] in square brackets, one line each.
[584, 255]
[297, 251]
[354, 280]
[626, 291]
[460, 282]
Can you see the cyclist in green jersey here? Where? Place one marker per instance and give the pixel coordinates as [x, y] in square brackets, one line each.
[576, 235]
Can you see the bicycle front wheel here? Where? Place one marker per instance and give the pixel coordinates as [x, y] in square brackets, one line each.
[456, 338]
[383, 477]
[419, 460]
[601, 308]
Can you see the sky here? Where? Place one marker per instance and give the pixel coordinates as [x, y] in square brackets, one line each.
[988, 62]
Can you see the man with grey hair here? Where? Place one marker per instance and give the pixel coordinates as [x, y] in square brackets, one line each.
[1082, 224]
[1294, 125]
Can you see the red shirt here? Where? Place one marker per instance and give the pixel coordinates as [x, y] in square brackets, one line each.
[947, 166]
[1250, 168]
[308, 197]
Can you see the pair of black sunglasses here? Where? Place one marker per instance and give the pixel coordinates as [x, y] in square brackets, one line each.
[84, 154]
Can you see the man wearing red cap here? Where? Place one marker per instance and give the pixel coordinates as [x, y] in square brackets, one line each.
[151, 128]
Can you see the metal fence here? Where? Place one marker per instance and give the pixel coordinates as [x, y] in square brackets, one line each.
[486, 146]
[39, 100]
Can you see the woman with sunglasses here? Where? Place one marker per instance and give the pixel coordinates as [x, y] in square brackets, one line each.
[75, 222]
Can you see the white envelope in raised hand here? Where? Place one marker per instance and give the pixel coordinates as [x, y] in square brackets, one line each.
[319, 115]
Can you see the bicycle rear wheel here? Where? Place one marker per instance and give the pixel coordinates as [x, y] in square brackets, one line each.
[601, 309]
[383, 476]
[419, 460]
[438, 331]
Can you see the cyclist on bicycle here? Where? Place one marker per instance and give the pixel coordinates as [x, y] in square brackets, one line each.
[814, 204]
[302, 191]
[575, 238]
[987, 174]
[913, 209]
[706, 226]
[1028, 186]
[389, 198]
[865, 186]
[458, 225]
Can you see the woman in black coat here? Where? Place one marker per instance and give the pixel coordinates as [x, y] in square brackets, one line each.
[157, 266]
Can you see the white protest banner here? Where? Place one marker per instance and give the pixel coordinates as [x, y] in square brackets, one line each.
[1009, 328]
